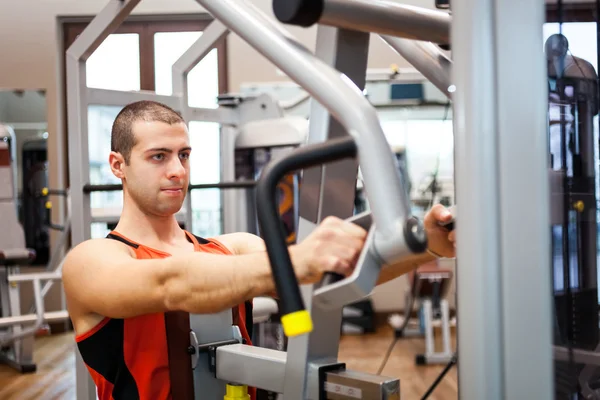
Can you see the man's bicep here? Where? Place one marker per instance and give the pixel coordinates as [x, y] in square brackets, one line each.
[242, 243]
[102, 277]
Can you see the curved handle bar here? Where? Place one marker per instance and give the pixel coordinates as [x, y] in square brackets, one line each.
[295, 319]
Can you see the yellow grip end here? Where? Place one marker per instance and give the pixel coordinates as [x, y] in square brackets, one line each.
[48, 205]
[236, 392]
[297, 323]
[45, 192]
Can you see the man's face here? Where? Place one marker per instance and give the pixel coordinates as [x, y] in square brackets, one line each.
[157, 176]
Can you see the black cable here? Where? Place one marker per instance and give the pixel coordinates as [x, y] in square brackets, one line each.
[398, 333]
[387, 354]
[440, 377]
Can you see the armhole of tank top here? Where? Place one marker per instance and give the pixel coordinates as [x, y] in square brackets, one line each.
[91, 332]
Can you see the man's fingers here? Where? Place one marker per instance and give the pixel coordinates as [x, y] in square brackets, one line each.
[353, 229]
[437, 214]
[452, 236]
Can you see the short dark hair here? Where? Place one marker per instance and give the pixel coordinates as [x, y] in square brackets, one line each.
[122, 138]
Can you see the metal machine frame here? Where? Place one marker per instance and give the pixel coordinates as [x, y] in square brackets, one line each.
[501, 153]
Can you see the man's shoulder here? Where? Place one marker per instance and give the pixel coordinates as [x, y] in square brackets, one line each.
[94, 248]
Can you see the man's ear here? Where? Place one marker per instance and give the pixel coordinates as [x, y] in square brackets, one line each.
[117, 164]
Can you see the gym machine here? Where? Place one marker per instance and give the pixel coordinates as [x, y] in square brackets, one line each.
[573, 105]
[17, 331]
[502, 300]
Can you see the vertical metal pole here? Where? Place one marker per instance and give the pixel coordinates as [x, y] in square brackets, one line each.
[111, 16]
[78, 176]
[478, 254]
[522, 143]
[328, 190]
[230, 198]
[179, 80]
[504, 244]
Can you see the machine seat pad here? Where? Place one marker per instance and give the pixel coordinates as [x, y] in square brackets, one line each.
[16, 257]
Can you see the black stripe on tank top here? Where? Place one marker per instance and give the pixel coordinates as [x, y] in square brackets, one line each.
[103, 352]
[120, 239]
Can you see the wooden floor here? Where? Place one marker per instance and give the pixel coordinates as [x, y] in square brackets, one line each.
[55, 378]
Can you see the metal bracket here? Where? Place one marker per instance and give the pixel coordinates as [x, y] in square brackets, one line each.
[192, 349]
[196, 349]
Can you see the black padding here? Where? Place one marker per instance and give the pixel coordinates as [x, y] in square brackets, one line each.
[298, 12]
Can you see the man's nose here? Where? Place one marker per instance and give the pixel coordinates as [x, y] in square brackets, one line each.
[176, 168]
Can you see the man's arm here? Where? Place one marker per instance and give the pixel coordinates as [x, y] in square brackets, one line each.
[102, 277]
[242, 243]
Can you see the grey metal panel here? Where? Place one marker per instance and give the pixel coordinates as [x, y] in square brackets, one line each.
[221, 115]
[361, 385]
[480, 343]
[210, 328]
[121, 98]
[388, 18]
[253, 366]
[327, 190]
[347, 52]
[272, 132]
[522, 143]
[428, 59]
[111, 16]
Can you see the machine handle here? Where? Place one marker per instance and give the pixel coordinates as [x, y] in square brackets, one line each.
[295, 318]
[298, 12]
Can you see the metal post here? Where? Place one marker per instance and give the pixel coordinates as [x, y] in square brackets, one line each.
[212, 35]
[113, 14]
[328, 190]
[526, 288]
[500, 155]
[229, 198]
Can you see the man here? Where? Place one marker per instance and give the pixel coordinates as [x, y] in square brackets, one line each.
[119, 288]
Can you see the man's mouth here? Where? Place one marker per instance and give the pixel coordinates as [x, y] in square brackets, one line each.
[173, 190]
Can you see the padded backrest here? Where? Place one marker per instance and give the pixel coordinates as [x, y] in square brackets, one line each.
[11, 231]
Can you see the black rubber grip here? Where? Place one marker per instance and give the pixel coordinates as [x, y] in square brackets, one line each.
[267, 209]
[331, 277]
[298, 12]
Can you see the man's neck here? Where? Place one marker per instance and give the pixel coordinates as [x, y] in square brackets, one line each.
[148, 229]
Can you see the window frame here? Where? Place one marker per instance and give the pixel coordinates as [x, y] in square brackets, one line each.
[145, 26]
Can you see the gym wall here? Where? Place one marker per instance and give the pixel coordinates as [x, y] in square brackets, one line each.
[30, 59]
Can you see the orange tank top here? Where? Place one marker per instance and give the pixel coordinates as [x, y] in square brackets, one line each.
[128, 358]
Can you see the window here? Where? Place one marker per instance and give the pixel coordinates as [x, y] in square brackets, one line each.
[139, 56]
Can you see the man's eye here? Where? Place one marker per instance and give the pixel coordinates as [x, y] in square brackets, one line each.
[184, 156]
[158, 157]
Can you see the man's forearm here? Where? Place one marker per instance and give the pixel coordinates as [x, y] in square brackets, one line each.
[209, 283]
[410, 263]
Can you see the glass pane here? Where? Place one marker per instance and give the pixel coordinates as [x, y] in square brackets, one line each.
[203, 80]
[581, 37]
[116, 63]
[105, 205]
[205, 165]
